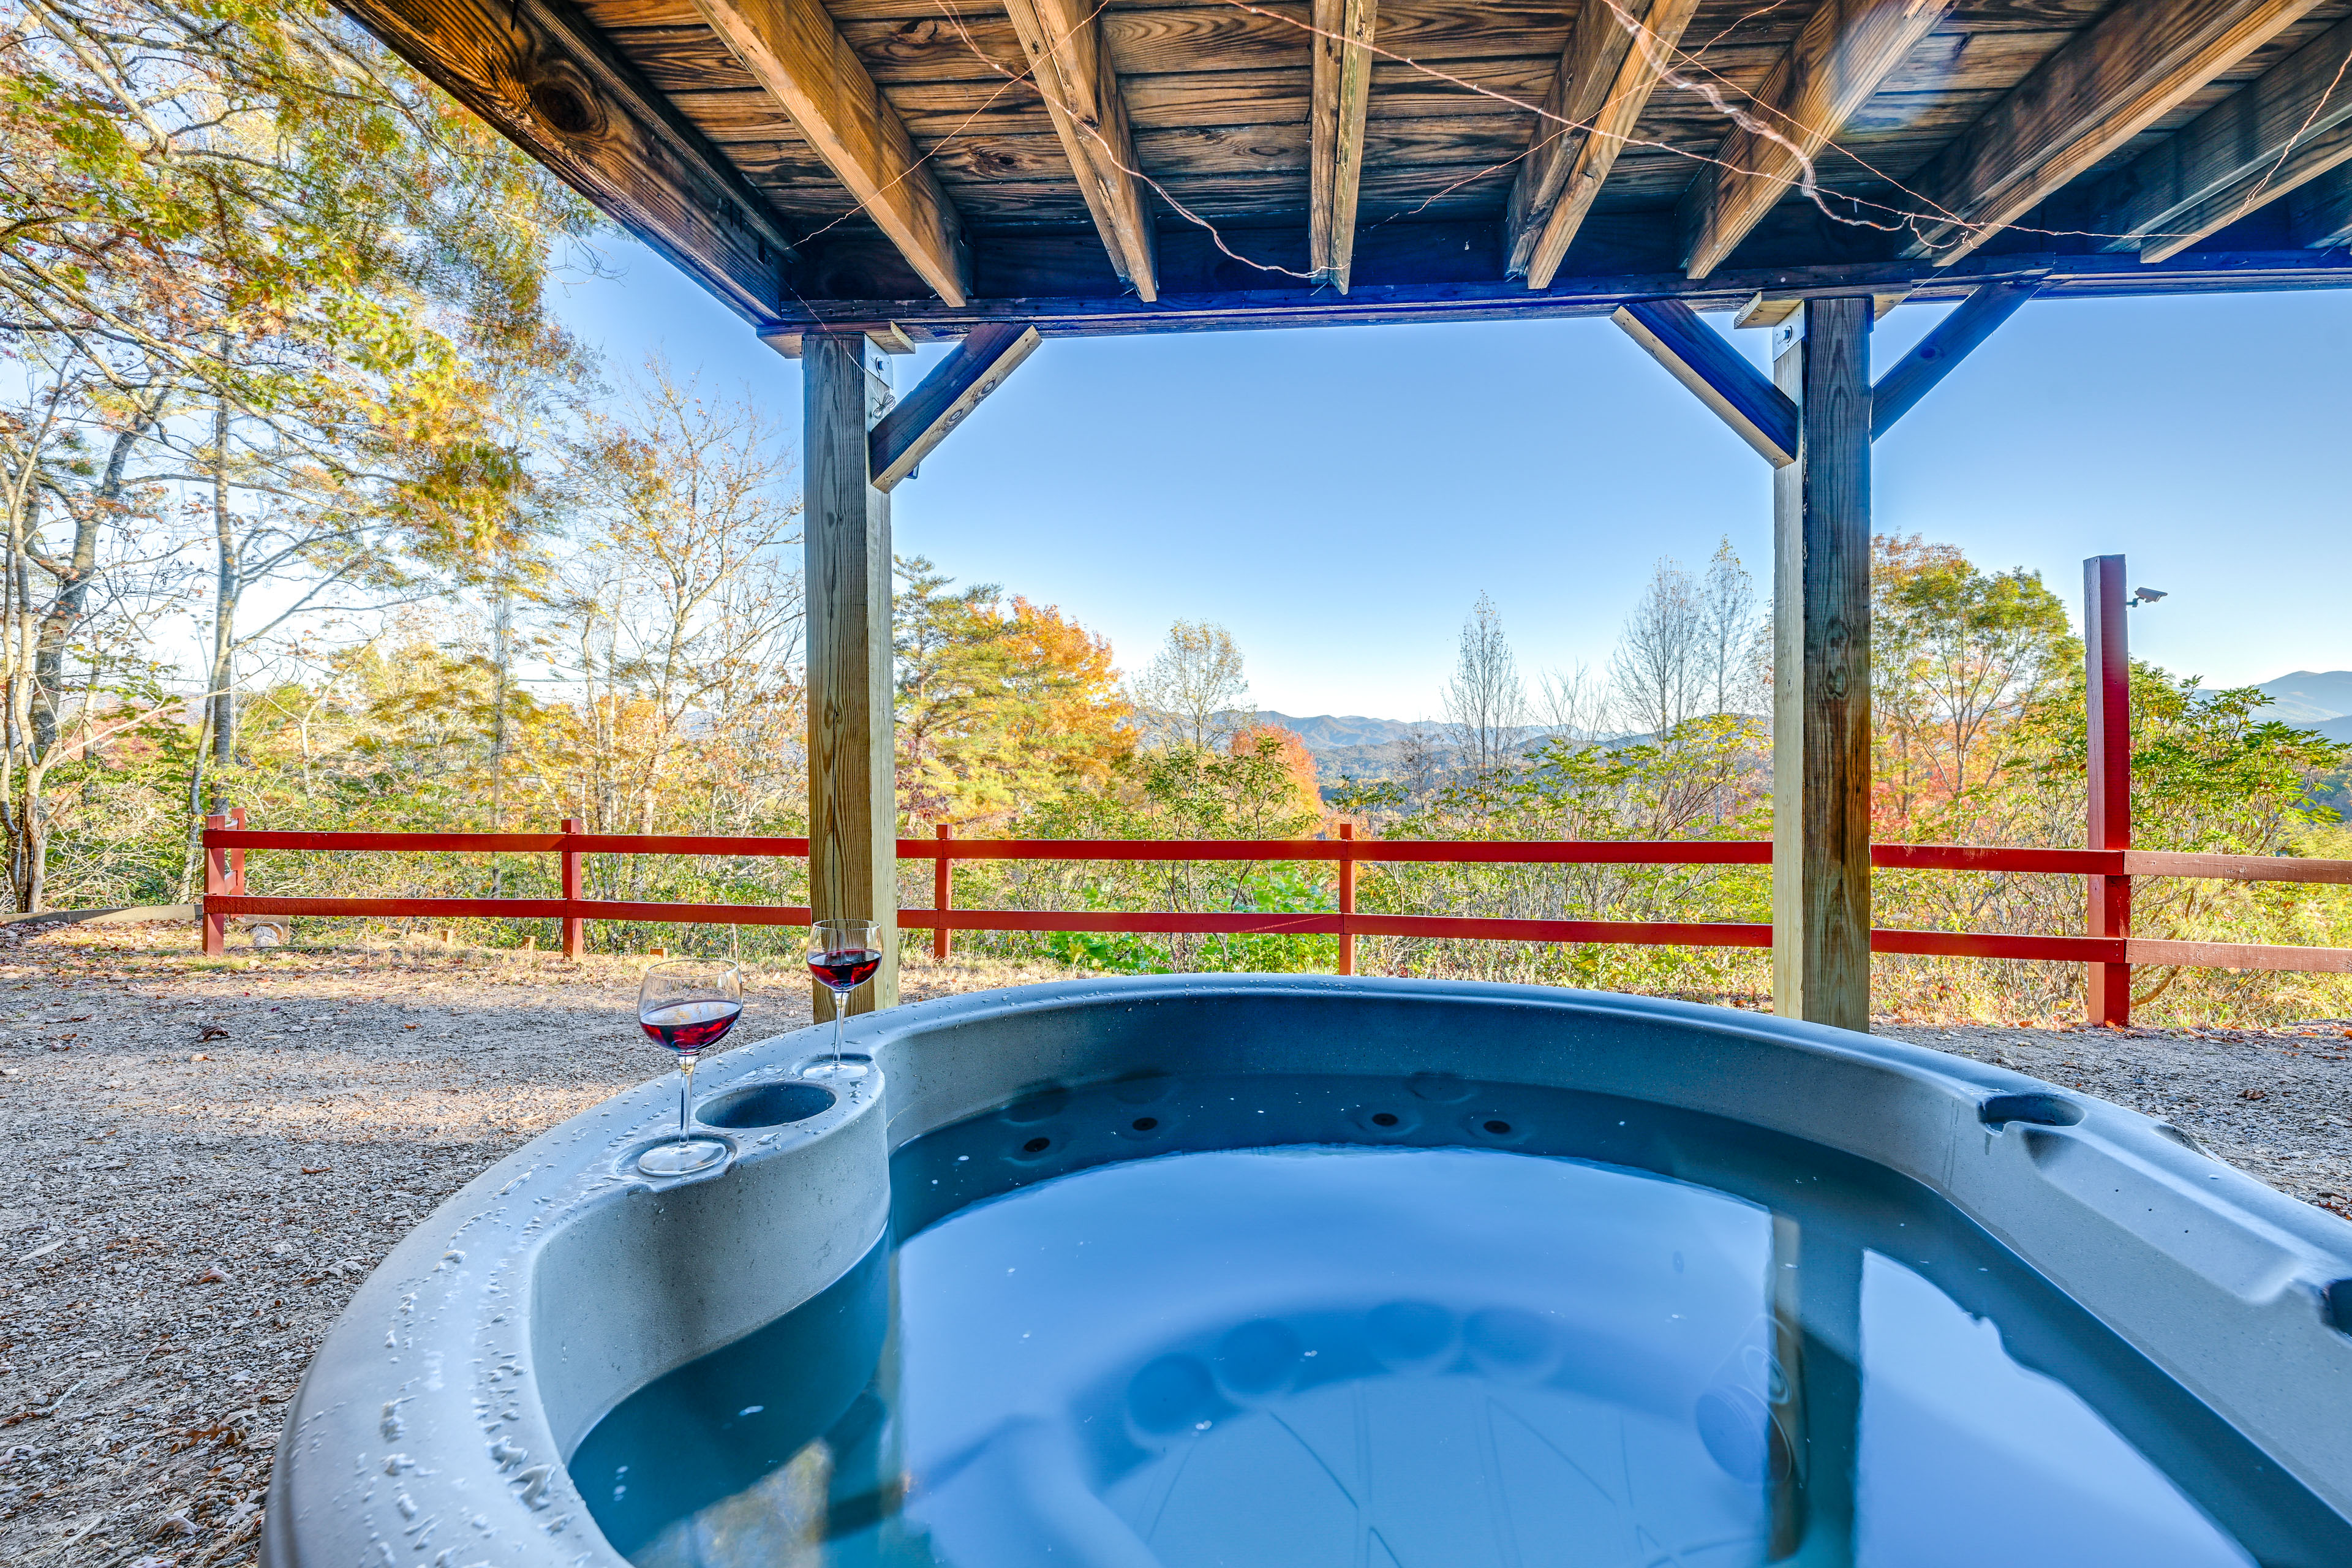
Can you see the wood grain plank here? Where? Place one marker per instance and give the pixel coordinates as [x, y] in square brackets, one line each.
[1339, 86]
[853, 802]
[2291, 124]
[1848, 47]
[921, 420]
[1717, 373]
[551, 87]
[2112, 81]
[1063, 41]
[1937, 354]
[1820, 683]
[793, 49]
[1606, 75]
[2319, 215]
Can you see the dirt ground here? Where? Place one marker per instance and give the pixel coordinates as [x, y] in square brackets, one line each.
[205, 1158]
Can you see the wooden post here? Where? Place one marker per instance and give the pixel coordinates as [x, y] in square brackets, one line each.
[1820, 671]
[568, 860]
[1815, 1400]
[215, 882]
[853, 796]
[1347, 897]
[942, 890]
[236, 855]
[2107, 692]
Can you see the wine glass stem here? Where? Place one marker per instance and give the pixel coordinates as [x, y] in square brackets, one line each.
[685, 1099]
[840, 1006]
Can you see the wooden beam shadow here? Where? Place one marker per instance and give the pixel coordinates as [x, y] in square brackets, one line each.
[905, 435]
[1696, 354]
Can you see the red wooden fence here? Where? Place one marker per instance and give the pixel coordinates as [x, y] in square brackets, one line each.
[226, 895]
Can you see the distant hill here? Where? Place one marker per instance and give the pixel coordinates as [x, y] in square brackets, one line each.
[1332, 732]
[2337, 729]
[2308, 696]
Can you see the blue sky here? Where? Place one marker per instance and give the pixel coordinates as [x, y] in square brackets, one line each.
[1339, 497]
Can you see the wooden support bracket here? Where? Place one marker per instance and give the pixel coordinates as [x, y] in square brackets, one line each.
[922, 420]
[1696, 355]
[1954, 339]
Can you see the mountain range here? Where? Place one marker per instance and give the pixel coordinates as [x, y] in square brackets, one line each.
[2316, 699]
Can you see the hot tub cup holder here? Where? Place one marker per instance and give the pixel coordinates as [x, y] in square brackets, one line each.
[863, 1072]
[625, 1164]
[775, 1103]
[2037, 1109]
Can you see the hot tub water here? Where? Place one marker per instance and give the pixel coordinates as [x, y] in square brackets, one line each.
[1350, 1355]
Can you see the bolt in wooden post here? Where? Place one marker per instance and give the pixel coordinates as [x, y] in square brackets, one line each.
[942, 888]
[1347, 897]
[570, 860]
[2106, 651]
[216, 885]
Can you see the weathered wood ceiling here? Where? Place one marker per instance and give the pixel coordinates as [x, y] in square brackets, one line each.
[1132, 166]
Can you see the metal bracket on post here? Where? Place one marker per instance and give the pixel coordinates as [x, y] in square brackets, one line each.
[2106, 651]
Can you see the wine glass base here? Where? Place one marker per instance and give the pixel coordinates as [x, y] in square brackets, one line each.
[847, 1069]
[681, 1157]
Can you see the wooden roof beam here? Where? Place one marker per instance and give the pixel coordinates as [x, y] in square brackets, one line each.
[2108, 84]
[1063, 39]
[1604, 82]
[1696, 354]
[905, 435]
[2291, 124]
[550, 86]
[1938, 353]
[1846, 48]
[793, 49]
[1340, 91]
[2319, 215]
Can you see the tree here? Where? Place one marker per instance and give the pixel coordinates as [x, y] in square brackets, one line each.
[1001, 705]
[1486, 701]
[1661, 667]
[1958, 656]
[1289, 749]
[1728, 623]
[1194, 692]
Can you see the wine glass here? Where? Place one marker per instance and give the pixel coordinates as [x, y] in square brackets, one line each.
[687, 1004]
[843, 955]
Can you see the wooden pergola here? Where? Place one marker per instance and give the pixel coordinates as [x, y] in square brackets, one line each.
[855, 177]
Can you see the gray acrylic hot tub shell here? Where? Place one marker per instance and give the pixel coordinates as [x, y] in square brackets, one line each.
[433, 1426]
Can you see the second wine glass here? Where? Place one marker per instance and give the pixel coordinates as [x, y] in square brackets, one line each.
[843, 955]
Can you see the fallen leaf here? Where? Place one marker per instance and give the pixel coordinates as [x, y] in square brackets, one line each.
[316, 1170]
[408, 1026]
[216, 1275]
[2254, 1094]
[212, 1032]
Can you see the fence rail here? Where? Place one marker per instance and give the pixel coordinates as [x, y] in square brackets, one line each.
[226, 894]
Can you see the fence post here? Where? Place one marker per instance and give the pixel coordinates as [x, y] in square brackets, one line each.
[236, 855]
[942, 890]
[570, 860]
[2108, 691]
[1347, 897]
[215, 882]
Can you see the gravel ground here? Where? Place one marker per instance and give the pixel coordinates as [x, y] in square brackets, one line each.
[207, 1156]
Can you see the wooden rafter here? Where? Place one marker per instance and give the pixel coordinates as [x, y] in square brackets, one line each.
[1340, 91]
[2107, 85]
[1845, 50]
[551, 87]
[1937, 354]
[2291, 124]
[794, 51]
[1063, 39]
[1603, 83]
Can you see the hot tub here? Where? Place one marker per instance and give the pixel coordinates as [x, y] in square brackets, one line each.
[1293, 1270]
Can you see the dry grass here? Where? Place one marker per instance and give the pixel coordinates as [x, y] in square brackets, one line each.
[208, 1155]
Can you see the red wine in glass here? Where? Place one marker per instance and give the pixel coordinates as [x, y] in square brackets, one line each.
[688, 1005]
[847, 970]
[688, 1027]
[843, 955]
